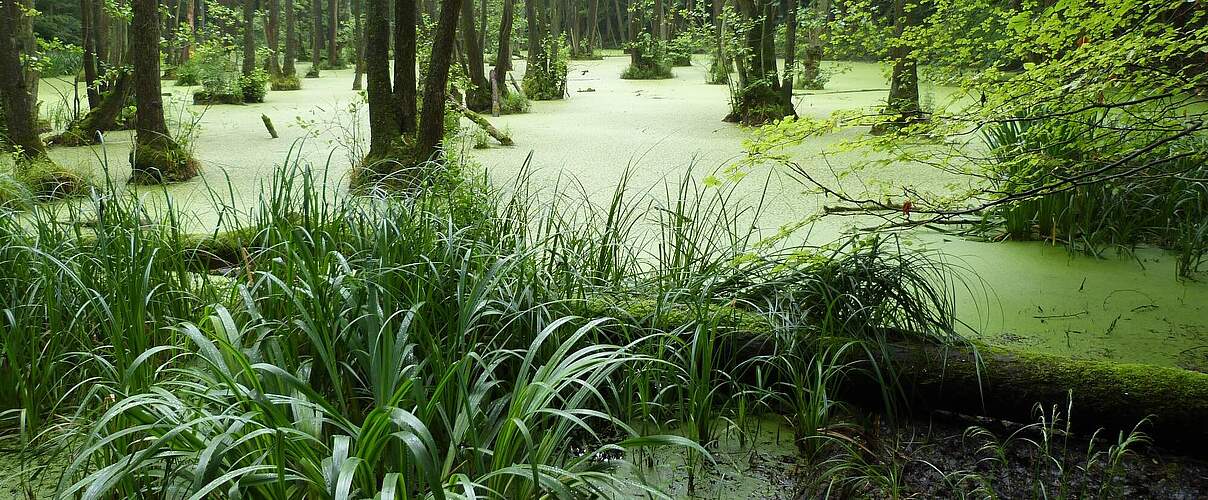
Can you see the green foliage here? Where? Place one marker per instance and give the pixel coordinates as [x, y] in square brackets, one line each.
[513, 103]
[56, 58]
[651, 60]
[546, 73]
[254, 86]
[214, 65]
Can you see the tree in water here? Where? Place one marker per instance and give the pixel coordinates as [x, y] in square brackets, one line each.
[758, 98]
[333, 32]
[648, 49]
[478, 96]
[316, 38]
[18, 102]
[811, 63]
[503, 56]
[272, 25]
[289, 72]
[156, 157]
[903, 107]
[400, 152]
[359, 34]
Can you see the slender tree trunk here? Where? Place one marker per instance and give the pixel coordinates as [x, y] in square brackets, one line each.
[406, 17]
[622, 26]
[359, 34]
[186, 49]
[100, 31]
[593, 24]
[249, 37]
[291, 40]
[156, 157]
[790, 51]
[478, 98]
[660, 23]
[316, 38]
[333, 32]
[432, 122]
[272, 34]
[483, 9]
[503, 56]
[90, 66]
[532, 15]
[18, 84]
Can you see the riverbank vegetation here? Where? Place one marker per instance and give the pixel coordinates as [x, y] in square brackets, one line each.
[399, 317]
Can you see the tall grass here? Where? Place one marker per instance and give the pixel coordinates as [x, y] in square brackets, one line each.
[435, 344]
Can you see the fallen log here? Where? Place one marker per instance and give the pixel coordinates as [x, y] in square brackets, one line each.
[482, 122]
[980, 380]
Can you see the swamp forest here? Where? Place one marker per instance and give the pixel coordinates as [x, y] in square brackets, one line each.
[394, 249]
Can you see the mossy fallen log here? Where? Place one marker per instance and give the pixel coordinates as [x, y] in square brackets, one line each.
[980, 380]
[483, 123]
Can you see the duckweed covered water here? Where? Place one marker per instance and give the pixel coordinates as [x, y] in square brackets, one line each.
[1028, 296]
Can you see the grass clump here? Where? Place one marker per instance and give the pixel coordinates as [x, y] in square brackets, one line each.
[514, 103]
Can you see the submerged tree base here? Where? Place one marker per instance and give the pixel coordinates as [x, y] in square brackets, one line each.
[650, 71]
[758, 104]
[160, 162]
[38, 180]
[284, 83]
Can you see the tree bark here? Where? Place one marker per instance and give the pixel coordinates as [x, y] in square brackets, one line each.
[156, 157]
[503, 56]
[89, 46]
[333, 32]
[432, 122]
[272, 33]
[593, 23]
[384, 120]
[812, 63]
[533, 17]
[790, 52]
[101, 118]
[316, 38]
[291, 40]
[18, 84]
[478, 97]
[359, 34]
[903, 106]
[249, 37]
[406, 16]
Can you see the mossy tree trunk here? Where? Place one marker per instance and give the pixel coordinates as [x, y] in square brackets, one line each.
[359, 34]
[89, 57]
[333, 34]
[790, 52]
[478, 96]
[272, 34]
[385, 125]
[902, 109]
[316, 38]
[593, 22]
[291, 41]
[156, 157]
[533, 14]
[811, 63]
[19, 84]
[503, 56]
[249, 37]
[102, 117]
[758, 98]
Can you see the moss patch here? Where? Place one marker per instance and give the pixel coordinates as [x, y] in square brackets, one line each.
[285, 83]
[161, 162]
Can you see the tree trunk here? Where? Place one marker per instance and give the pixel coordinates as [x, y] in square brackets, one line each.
[291, 40]
[432, 122]
[811, 65]
[101, 118]
[406, 17]
[660, 25]
[903, 107]
[272, 33]
[90, 63]
[790, 52]
[156, 158]
[18, 85]
[316, 38]
[531, 15]
[333, 32]
[478, 97]
[503, 56]
[758, 99]
[384, 123]
[622, 28]
[249, 37]
[359, 34]
[593, 23]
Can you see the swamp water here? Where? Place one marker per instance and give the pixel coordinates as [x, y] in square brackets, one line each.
[1027, 296]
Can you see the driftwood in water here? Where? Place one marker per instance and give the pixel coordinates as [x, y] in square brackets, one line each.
[482, 122]
[268, 124]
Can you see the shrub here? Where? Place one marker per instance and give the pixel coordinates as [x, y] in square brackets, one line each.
[651, 61]
[290, 82]
[545, 77]
[514, 103]
[217, 73]
[254, 86]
